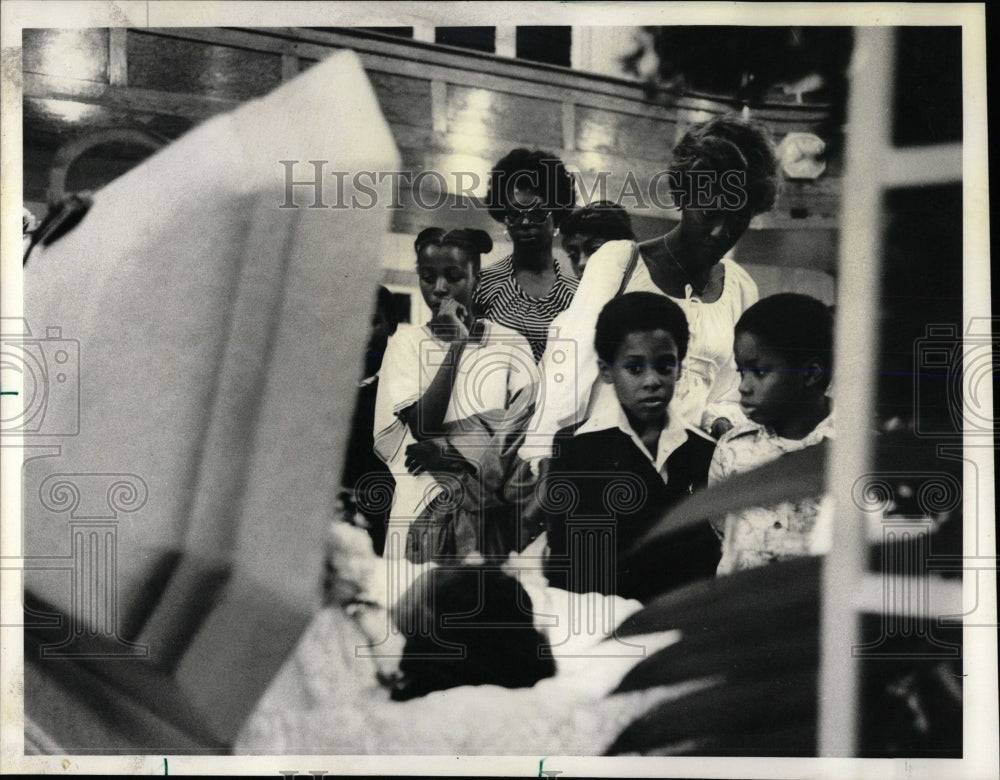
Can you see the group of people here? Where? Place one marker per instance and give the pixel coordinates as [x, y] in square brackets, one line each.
[553, 414]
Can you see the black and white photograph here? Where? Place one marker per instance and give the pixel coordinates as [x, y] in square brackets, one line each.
[525, 389]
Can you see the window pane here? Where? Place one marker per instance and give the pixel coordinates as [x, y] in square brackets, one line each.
[544, 44]
[928, 90]
[478, 38]
[922, 288]
[399, 32]
[199, 68]
[72, 54]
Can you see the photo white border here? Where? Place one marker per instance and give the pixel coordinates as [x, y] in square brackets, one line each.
[980, 703]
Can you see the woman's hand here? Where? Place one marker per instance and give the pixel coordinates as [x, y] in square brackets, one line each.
[719, 427]
[450, 324]
[433, 455]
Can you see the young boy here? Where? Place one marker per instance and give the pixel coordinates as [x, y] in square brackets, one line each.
[614, 475]
[783, 347]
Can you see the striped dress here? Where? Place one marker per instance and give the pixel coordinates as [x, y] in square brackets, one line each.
[500, 299]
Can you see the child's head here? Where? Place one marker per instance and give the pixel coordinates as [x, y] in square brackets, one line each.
[641, 339]
[471, 625]
[587, 229]
[784, 353]
[448, 264]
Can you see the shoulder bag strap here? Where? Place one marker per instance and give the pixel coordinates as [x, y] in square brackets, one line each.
[629, 269]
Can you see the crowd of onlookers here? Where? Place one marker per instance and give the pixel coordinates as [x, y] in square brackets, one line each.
[555, 412]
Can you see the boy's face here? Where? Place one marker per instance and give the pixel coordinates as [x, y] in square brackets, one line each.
[772, 389]
[644, 373]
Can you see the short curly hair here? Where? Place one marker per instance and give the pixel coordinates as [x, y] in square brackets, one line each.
[726, 143]
[601, 219]
[798, 327]
[636, 312]
[538, 171]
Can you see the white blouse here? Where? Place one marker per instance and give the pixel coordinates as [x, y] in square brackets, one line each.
[493, 376]
[709, 384]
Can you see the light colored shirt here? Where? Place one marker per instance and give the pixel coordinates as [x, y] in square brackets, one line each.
[492, 377]
[709, 384]
[608, 414]
[761, 535]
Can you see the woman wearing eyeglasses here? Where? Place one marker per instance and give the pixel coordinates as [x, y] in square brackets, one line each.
[447, 390]
[531, 193]
[723, 173]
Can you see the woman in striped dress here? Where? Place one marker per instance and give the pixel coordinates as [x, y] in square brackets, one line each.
[531, 193]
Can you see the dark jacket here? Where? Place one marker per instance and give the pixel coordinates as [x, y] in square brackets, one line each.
[600, 496]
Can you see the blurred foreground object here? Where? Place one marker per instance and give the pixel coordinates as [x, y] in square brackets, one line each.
[204, 339]
[753, 636]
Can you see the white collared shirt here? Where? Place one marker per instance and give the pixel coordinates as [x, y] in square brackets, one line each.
[608, 413]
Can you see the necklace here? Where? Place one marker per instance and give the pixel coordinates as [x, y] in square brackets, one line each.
[697, 289]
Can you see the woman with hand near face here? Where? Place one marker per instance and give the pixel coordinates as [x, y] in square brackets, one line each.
[449, 390]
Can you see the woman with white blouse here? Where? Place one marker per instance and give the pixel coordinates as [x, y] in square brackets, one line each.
[723, 173]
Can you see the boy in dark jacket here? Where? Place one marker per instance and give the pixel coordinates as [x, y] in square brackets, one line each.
[615, 474]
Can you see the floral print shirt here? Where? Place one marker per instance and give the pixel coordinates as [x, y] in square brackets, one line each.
[761, 535]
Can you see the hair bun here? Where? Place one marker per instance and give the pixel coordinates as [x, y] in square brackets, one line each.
[721, 141]
[431, 235]
[478, 241]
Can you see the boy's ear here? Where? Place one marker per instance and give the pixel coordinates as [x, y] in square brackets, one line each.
[605, 371]
[814, 372]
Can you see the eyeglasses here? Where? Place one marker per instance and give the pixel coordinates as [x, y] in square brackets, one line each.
[452, 274]
[535, 215]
